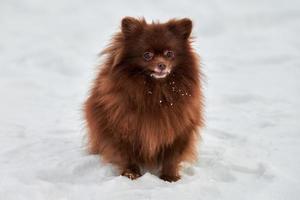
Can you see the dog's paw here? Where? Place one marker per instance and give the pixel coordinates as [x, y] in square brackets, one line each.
[130, 174]
[170, 178]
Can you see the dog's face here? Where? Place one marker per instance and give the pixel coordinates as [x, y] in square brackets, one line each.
[155, 49]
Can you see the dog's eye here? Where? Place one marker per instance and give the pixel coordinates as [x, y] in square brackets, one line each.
[169, 54]
[148, 56]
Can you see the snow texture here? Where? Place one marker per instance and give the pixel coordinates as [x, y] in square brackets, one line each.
[251, 57]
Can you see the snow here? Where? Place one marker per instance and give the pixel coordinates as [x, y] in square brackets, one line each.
[250, 54]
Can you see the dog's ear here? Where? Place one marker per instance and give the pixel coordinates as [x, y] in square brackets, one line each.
[182, 27]
[131, 26]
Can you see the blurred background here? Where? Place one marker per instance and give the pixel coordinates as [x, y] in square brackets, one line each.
[250, 55]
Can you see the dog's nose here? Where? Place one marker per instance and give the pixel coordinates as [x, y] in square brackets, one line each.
[162, 66]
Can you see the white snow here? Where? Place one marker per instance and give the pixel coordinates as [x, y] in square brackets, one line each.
[251, 57]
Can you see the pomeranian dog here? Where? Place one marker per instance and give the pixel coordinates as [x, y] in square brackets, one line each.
[144, 110]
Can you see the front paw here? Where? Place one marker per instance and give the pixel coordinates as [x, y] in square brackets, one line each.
[131, 174]
[170, 178]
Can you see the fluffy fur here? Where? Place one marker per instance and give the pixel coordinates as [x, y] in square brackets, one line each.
[136, 118]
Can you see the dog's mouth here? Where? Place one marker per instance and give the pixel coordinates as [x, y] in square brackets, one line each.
[160, 74]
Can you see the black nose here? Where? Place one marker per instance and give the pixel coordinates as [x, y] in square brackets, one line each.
[162, 66]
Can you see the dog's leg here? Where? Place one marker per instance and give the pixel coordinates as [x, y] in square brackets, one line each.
[183, 149]
[170, 171]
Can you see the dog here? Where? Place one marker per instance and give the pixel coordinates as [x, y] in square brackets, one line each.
[145, 108]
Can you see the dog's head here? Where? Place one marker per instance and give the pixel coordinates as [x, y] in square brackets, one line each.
[155, 49]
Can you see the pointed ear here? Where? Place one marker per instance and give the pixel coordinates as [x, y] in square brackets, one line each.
[131, 26]
[182, 27]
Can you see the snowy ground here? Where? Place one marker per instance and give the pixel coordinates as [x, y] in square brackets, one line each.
[251, 56]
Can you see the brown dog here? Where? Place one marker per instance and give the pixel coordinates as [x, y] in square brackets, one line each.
[145, 107]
